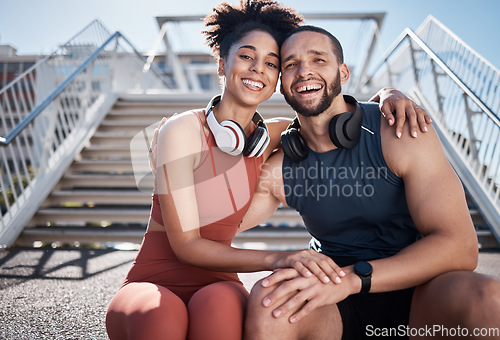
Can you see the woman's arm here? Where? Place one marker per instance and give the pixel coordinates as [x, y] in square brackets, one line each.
[393, 101]
[178, 152]
[268, 194]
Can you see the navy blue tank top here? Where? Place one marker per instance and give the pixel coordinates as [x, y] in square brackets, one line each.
[352, 204]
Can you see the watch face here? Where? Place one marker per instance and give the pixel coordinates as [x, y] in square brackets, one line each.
[363, 268]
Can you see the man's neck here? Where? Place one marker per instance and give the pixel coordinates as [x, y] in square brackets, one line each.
[315, 129]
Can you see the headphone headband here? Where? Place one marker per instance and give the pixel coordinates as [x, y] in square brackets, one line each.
[257, 118]
[214, 101]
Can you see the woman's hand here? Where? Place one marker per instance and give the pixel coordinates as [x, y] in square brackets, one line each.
[393, 101]
[310, 263]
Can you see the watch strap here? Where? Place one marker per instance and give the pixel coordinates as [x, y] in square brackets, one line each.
[364, 270]
[366, 282]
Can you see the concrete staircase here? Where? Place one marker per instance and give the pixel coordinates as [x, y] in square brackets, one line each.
[98, 200]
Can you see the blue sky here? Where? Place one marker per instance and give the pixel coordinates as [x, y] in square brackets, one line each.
[36, 26]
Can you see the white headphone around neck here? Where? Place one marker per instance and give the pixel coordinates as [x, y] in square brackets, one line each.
[230, 136]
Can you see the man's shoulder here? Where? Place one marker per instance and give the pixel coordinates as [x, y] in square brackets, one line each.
[402, 153]
[371, 115]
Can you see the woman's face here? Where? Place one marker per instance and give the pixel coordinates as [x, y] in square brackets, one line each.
[251, 68]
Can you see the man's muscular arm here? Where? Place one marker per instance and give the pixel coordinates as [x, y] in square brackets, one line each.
[437, 205]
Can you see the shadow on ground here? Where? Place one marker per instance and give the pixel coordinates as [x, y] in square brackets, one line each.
[20, 265]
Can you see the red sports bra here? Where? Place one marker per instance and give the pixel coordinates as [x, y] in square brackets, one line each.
[224, 187]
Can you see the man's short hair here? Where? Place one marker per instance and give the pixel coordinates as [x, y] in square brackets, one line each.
[336, 46]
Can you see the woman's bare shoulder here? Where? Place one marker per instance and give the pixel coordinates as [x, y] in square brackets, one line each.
[182, 133]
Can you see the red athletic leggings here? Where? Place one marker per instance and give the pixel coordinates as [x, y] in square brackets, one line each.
[188, 310]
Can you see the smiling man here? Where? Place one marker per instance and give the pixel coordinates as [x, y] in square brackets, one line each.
[391, 212]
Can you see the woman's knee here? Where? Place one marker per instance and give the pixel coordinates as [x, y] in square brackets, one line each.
[146, 311]
[219, 295]
[217, 311]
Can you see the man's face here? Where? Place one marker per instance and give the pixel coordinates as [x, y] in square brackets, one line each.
[310, 75]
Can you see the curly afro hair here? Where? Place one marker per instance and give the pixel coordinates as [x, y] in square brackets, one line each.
[228, 23]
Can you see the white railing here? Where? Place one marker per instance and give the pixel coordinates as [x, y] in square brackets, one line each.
[49, 112]
[461, 91]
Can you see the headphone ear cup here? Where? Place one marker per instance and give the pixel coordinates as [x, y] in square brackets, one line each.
[337, 131]
[293, 144]
[257, 142]
[239, 138]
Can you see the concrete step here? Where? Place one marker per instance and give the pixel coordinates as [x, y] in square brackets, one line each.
[103, 181]
[129, 126]
[112, 139]
[81, 216]
[96, 197]
[112, 152]
[131, 214]
[486, 239]
[112, 166]
[277, 238]
[477, 217]
[147, 118]
[274, 107]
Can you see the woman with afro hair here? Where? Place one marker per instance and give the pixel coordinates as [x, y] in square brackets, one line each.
[183, 283]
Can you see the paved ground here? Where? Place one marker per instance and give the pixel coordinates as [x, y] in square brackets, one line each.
[63, 294]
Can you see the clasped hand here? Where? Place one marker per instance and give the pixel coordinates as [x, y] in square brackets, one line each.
[291, 292]
[310, 263]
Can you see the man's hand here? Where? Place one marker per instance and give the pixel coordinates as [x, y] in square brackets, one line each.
[393, 101]
[310, 262]
[304, 293]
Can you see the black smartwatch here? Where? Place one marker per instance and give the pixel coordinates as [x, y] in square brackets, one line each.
[364, 270]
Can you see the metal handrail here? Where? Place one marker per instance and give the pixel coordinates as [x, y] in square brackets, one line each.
[44, 59]
[408, 33]
[54, 94]
[59, 89]
[152, 67]
[44, 137]
[456, 97]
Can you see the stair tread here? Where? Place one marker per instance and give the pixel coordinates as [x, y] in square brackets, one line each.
[103, 161]
[98, 192]
[98, 175]
[128, 209]
[128, 122]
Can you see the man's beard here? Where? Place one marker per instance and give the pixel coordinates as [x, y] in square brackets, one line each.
[326, 100]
